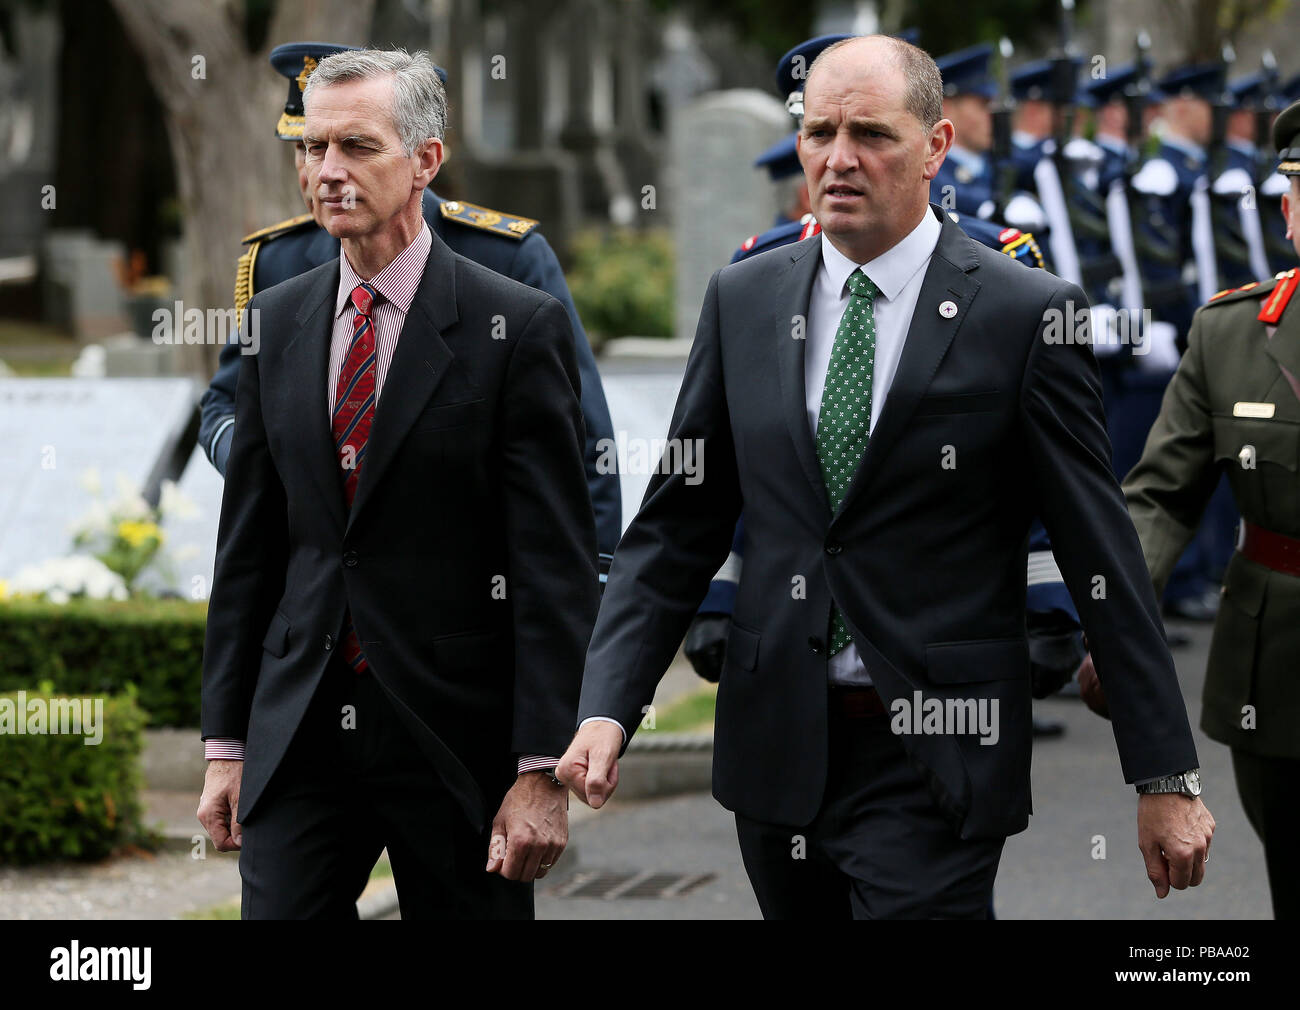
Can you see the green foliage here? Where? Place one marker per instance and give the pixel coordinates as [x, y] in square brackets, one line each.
[622, 283]
[63, 799]
[949, 25]
[93, 647]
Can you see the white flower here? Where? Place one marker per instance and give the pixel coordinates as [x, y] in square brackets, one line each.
[174, 503]
[128, 504]
[95, 521]
[60, 579]
[91, 481]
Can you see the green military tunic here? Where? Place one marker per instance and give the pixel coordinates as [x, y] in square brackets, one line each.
[1232, 407]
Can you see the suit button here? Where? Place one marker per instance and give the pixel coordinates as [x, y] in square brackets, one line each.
[350, 559]
[832, 549]
[329, 642]
[816, 644]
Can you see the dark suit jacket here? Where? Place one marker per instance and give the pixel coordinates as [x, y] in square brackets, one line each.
[529, 260]
[927, 562]
[467, 558]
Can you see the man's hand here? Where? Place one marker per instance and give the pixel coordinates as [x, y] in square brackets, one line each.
[590, 765]
[219, 805]
[530, 830]
[1174, 834]
[1090, 688]
[706, 644]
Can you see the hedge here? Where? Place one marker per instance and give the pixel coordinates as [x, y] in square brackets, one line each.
[62, 798]
[93, 647]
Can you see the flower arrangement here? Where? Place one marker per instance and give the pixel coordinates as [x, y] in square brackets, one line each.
[119, 540]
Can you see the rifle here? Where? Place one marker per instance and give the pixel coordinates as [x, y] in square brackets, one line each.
[1004, 180]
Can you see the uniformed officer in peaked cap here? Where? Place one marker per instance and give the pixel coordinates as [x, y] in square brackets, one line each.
[1234, 407]
[507, 243]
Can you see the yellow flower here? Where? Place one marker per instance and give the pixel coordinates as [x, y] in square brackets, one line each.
[135, 532]
[4, 590]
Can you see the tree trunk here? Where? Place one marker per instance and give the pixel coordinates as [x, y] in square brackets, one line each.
[221, 101]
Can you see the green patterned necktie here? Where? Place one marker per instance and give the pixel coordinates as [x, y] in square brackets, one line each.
[845, 418]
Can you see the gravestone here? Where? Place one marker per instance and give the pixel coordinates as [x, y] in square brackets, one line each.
[641, 394]
[718, 199]
[53, 430]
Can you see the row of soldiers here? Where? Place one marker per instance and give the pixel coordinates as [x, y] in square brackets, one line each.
[1150, 225]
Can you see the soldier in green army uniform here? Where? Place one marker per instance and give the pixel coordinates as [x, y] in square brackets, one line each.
[1234, 406]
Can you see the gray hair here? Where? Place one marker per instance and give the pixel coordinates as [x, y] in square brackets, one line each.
[922, 81]
[419, 99]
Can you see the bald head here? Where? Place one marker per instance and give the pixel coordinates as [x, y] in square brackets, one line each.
[921, 81]
[872, 139]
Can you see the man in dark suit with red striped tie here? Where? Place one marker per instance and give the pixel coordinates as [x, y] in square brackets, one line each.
[388, 663]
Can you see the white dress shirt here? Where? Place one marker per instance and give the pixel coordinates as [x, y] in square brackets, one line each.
[897, 273]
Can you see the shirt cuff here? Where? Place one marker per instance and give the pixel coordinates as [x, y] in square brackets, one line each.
[223, 748]
[604, 718]
[536, 763]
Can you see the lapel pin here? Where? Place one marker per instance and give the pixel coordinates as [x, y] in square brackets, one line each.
[948, 309]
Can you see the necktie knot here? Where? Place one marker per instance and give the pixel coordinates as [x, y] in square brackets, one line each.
[364, 298]
[862, 286]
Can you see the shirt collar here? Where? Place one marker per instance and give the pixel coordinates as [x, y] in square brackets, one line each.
[1189, 147]
[892, 269]
[393, 281]
[966, 157]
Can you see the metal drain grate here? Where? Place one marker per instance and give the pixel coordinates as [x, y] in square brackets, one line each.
[613, 884]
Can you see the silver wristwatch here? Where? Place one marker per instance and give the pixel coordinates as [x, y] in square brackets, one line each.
[1188, 783]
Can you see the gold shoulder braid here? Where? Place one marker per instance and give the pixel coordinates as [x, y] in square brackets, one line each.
[244, 267]
[244, 278]
[495, 221]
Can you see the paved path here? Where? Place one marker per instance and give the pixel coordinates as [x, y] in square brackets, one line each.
[1047, 871]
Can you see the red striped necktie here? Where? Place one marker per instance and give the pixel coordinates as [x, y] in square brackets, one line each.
[354, 413]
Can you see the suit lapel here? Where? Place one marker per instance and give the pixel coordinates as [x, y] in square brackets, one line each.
[307, 356]
[792, 303]
[928, 338]
[419, 363]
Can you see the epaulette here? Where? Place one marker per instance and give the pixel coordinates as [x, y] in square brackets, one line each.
[1275, 304]
[244, 267]
[276, 230]
[506, 225]
[1255, 289]
[1021, 245]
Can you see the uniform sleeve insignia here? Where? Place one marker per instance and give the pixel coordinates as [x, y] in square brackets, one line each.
[810, 229]
[748, 244]
[497, 222]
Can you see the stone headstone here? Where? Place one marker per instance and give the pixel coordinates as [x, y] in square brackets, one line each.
[718, 199]
[52, 431]
[82, 292]
[641, 393]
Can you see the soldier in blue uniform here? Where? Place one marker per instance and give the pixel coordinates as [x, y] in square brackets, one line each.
[781, 162]
[964, 182]
[506, 243]
[1173, 233]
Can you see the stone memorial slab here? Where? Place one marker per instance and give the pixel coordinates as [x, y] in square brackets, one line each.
[52, 431]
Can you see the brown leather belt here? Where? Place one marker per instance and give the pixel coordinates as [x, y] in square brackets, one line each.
[1272, 550]
[857, 702]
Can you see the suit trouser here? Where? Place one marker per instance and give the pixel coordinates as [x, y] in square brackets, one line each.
[352, 783]
[879, 847]
[1267, 789]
